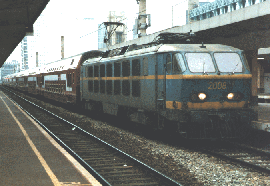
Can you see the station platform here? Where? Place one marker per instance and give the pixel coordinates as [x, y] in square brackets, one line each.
[29, 156]
[263, 122]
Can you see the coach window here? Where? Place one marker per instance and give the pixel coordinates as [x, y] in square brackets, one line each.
[145, 66]
[68, 79]
[102, 70]
[90, 71]
[178, 64]
[96, 71]
[126, 68]
[169, 63]
[136, 67]
[117, 67]
[73, 78]
[109, 70]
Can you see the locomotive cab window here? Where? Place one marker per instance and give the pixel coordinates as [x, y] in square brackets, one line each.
[178, 64]
[200, 62]
[228, 62]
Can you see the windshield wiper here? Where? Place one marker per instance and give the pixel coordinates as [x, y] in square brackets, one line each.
[235, 67]
[204, 73]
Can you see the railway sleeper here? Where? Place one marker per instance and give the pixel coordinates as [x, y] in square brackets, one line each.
[113, 164]
[128, 174]
[131, 179]
[99, 154]
[98, 150]
[96, 159]
[115, 173]
[142, 181]
[116, 167]
[107, 160]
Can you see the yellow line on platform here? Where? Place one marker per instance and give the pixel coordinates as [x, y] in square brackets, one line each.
[74, 162]
[41, 159]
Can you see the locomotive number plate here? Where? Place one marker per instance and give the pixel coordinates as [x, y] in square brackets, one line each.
[217, 85]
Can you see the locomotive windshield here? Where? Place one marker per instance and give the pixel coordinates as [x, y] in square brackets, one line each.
[200, 62]
[228, 62]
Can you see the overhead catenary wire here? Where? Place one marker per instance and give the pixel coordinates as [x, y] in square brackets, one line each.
[101, 28]
[127, 18]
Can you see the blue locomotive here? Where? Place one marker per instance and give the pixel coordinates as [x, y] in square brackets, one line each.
[200, 91]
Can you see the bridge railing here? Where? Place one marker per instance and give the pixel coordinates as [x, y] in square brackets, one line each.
[219, 7]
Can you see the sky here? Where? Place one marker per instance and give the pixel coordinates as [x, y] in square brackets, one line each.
[64, 17]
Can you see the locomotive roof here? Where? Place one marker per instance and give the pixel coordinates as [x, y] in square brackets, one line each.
[197, 48]
[169, 48]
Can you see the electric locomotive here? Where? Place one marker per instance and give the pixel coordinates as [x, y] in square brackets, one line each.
[200, 91]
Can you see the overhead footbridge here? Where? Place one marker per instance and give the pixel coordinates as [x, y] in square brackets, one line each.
[244, 24]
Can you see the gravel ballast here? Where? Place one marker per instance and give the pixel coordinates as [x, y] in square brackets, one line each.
[186, 166]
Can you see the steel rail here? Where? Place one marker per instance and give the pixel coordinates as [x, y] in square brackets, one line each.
[85, 164]
[238, 154]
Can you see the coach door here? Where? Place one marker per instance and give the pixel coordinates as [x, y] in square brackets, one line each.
[160, 82]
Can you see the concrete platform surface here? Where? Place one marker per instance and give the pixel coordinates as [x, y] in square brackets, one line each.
[30, 157]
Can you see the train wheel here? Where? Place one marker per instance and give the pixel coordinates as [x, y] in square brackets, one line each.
[182, 129]
[161, 122]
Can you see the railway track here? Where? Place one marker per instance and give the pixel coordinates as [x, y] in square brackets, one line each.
[241, 154]
[109, 165]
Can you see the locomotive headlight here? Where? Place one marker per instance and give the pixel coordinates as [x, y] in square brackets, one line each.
[230, 96]
[202, 96]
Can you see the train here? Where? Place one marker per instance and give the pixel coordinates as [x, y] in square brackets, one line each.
[199, 90]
